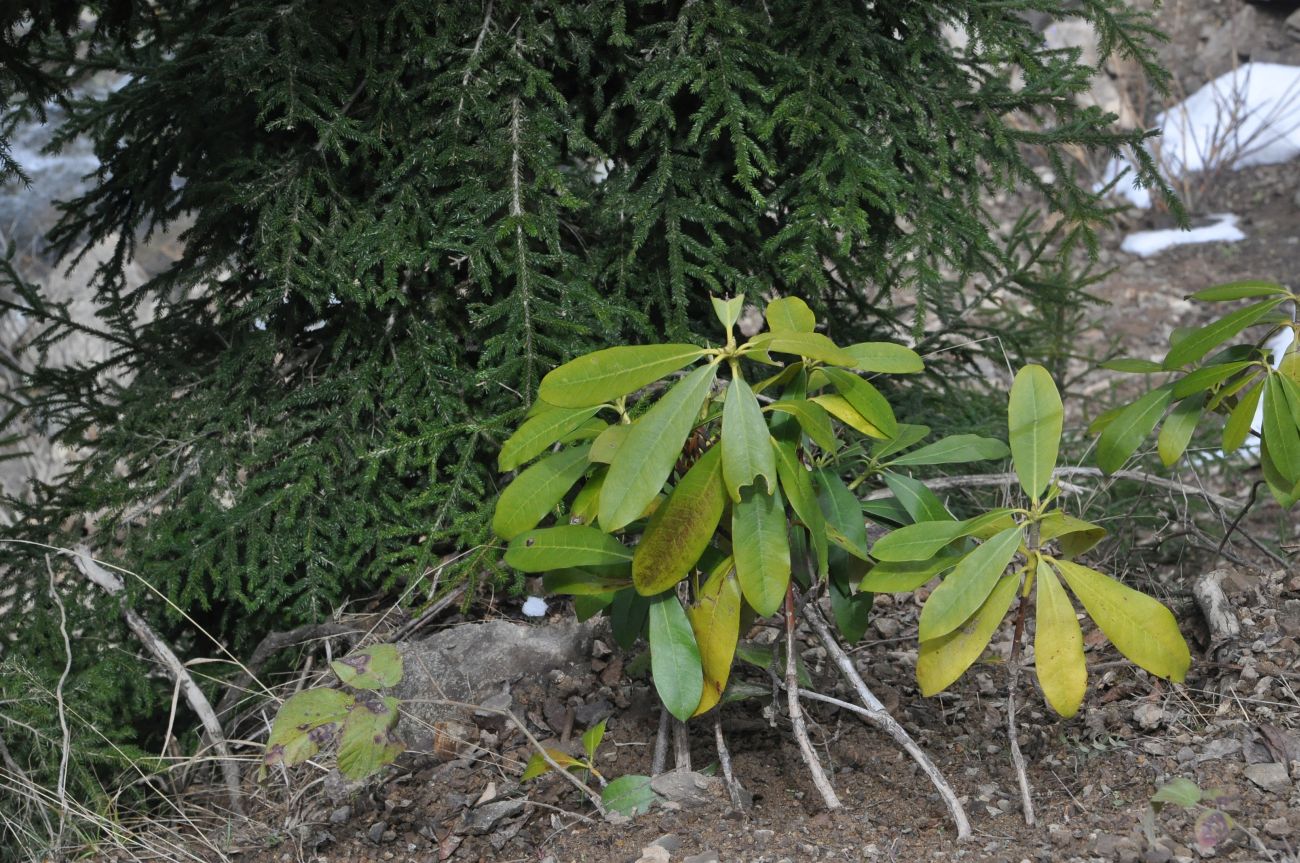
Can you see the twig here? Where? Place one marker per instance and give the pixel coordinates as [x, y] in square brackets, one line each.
[440, 605]
[1013, 683]
[660, 761]
[874, 711]
[266, 648]
[810, 758]
[112, 585]
[681, 746]
[469, 65]
[61, 787]
[734, 789]
[995, 479]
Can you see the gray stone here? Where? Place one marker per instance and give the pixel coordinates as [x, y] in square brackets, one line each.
[477, 662]
[670, 842]
[1293, 25]
[341, 815]
[376, 831]
[483, 819]
[1229, 44]
[687, 787]
[1148, 715]
[702, 857]
[1271, 777]
[1157, 854]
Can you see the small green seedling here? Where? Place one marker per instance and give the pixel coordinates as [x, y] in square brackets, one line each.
[1212, 825]
[626, 795]
[1255, 384]
[356, 718]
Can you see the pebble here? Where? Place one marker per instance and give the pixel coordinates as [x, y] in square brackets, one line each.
[702, 857]
[1149, 716]
[341, 815]
[1157, 854]
[376, 831]
[670, 842]
[1271, 777]
[1278, 827]
[654, 854]
[762, 837]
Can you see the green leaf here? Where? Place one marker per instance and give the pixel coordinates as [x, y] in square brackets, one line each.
[921, 503]
[812, 419]
[587, 501]
[1128, 364]
[922, 541]
[1239, 291]
[1140, 627]
[1282, 490]
[1180, 792]
[538, 434]
[865, 399]
[728, 311]
[797, 485]
[814, 346]
[839, 407]
[1034, 421]
[906, 437]
[1207, 377]
[956, 449]
[628, 795]
[746, 441]
[586, 606]
[367, 743]
[843, 512]
[651, 448]
[1177, 429]
[715, 620]
[886, 357]
[603, 376]
[1058, 646]
[376, 667]
[1279, 429]
[606, 445]
[627, 617]
[565, 546]
[674, 657]
[790, 315]
[586, 582]
[1076, 535]
[1104, 419]
[1237, 427]
[964, 590]
[904, 576]
[305, 722]
[852, 611]
[537, 491]
[942, 660]
[591, 739]
[1127, 431]
[1198, 342]
[761, 546]
[681, 527]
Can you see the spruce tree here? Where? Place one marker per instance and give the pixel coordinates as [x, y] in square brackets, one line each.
[398, 216]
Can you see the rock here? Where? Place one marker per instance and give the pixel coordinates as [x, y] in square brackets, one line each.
[1270, 776]
[341, 815]
[1149, 716]
[477, 662]
[702, 857]
[376, 831]
[483, 819]
[654, 854]
[589, 714]
[1278, 828]
[1220, 747]
[1157, 854]
[670, 842]
[760, 837]
[1229, 44]
[1104, 93]
[1106, 845]
[1127, 851]
[1293, 25]
[686, 787]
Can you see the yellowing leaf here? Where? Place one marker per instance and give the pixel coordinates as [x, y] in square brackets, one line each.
[942, 660]
[651, 448]
[964, 590]
[715, 620]
[1140, 627]
[839, 407]
[1034, 421]
[605, 446]
[681, 527]
[1076, 535]
[923, 540]
[814, 346]
[376, 667]
[366, 743]
[536, 435]
[1058, 646]
[537, 491]
[812, 419]
[538, 765]
[865, 399]
[905, 576]
[760, 542]
[790, 315]
[603, 376]
[746, 441]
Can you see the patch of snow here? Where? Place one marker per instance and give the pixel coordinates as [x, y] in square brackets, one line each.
[1249, 116]
[534, 606]
[1147, 243]
[313, 326]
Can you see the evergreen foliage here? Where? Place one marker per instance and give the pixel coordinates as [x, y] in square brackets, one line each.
[398, 216]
